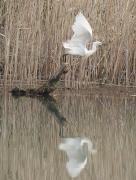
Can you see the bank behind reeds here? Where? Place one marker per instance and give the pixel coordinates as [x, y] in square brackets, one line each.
[31, 35]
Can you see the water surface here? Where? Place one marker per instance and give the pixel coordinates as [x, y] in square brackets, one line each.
[31, 130]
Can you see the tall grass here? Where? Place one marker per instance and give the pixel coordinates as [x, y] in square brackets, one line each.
[31, 35]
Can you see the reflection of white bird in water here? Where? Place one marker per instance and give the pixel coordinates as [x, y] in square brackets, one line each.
[82, 35]
[77, 153]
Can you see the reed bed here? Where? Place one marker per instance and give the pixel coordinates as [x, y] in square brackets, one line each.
[32, 32]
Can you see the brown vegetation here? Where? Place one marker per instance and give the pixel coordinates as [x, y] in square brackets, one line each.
[31, 35]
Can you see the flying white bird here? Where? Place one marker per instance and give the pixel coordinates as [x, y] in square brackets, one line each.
[77, 153]
[82, 35]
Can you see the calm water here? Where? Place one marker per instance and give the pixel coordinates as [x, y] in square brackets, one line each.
[31, 131]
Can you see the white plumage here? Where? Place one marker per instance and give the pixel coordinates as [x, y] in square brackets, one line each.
[82, 35]
[77, 153]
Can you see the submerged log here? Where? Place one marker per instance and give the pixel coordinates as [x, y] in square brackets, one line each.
[47, 88]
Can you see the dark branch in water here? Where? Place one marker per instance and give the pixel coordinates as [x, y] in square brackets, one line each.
[43, 94]
[47, 88]
[52, 107]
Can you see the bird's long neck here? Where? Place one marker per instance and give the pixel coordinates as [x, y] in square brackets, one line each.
[90, 145]
[91, 51]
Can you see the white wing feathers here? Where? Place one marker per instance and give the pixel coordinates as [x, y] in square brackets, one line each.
[82, 35]
[81, 26]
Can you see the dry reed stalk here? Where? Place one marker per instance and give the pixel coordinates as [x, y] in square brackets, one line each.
[34, 31]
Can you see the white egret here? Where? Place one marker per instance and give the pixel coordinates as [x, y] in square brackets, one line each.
[77, 153]
[82, 35]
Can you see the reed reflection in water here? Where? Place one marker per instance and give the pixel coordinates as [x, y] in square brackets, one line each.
[30, 135]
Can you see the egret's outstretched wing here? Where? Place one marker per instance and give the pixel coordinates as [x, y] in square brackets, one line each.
[74, 167]
[82, 35]
[81, 26]
[82, 30]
